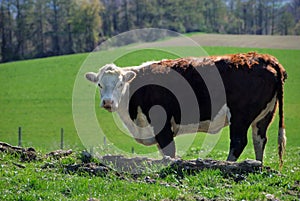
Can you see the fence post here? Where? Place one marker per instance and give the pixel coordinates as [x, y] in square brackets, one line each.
[104, 141]
[61, 138]
[92, 151]
[20, 137]
[132, 150]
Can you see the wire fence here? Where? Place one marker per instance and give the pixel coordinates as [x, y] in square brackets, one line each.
[62, 141]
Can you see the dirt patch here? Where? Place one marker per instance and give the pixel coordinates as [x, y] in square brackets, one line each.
[252, 41]
[138, 164]
[138, 167]
[120, 165]
[226, 40]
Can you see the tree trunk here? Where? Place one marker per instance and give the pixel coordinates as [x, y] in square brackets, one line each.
[3, 39]
[7, 33]
[273, 17]
[19, 52]
[69, 31]
[56, 47]
[40, 31]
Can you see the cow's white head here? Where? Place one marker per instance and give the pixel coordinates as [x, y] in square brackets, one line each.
[113, 83]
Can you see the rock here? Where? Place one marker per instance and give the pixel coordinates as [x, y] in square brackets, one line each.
[86, 157]
[93, 199]
[89, 168]
[48, 166]
[148, 179]
[28, 154]
[59, 153]
[19, 165]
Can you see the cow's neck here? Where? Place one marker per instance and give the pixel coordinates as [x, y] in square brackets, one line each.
[124, 104]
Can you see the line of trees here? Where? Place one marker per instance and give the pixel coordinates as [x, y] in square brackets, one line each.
[40, 28]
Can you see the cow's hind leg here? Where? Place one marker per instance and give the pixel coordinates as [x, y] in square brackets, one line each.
[238, 139]
[259, 134]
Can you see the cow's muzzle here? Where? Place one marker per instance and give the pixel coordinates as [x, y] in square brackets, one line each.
[108, 104]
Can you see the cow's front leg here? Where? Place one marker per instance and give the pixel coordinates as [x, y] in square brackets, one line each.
[165, 142]
[238, 140]
[168, 150]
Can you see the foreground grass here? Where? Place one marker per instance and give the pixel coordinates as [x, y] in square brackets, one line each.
[35, 183]
[32, 183]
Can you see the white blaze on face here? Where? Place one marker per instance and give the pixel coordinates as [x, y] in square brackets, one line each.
[112, 82]
[111, 85]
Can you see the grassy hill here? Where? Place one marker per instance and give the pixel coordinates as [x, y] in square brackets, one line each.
[37, 95]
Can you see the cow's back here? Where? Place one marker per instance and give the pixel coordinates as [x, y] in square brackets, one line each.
[249, 82]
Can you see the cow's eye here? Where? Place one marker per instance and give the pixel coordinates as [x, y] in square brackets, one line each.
[99, 85]
[120, 85]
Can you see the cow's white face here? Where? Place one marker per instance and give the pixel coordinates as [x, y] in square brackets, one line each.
[113, 83]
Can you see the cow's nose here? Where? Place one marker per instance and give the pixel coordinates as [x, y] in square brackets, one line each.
[108, 103]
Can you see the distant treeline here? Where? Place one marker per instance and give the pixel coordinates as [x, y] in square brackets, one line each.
[40, 28]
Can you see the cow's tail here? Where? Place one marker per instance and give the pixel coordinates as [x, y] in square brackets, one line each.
[282, 75]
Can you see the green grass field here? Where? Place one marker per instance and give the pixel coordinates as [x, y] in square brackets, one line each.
[37, 95]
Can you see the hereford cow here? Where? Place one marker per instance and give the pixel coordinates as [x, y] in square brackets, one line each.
[150, 99]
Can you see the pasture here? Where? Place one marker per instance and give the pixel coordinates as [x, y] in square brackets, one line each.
[37, 95]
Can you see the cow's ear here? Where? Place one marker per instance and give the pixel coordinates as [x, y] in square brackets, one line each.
[129, 76]
[91, 76]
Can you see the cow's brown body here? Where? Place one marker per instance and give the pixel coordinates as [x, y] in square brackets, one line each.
[253, 85]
